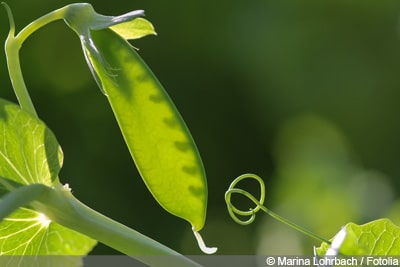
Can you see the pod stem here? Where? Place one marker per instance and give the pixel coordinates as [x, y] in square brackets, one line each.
[12, 46]
[251, 213]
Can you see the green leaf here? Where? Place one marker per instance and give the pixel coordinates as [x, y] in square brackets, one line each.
[376, 238]
[28, 232]
[134, 29]
[29, 152]
[30, 159]
[157, 137]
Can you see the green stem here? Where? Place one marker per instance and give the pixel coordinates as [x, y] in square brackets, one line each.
[62, 207]
[17, 80]
[13, 45]
[40, 22]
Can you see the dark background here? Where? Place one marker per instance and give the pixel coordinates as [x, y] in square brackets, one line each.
[305, 94]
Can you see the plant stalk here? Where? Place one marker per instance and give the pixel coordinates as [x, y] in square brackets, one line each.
[62, 207]
[13, 45]
[16, 77]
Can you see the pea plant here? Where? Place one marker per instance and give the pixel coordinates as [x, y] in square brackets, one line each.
[39, 215]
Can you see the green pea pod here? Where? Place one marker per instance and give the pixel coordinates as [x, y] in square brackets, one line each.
[158, 139]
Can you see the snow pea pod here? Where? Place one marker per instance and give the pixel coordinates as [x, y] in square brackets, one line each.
[158, 138]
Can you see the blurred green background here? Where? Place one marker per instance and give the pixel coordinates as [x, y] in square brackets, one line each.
[303, 93]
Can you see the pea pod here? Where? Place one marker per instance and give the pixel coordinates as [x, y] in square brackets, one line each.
[154, 131]
[158, 139]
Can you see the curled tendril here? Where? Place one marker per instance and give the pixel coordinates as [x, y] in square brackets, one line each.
[233, 211]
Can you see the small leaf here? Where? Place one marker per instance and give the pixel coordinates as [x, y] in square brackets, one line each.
[157, 137]
[376, 238]
[81, 17]
[134, 29]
